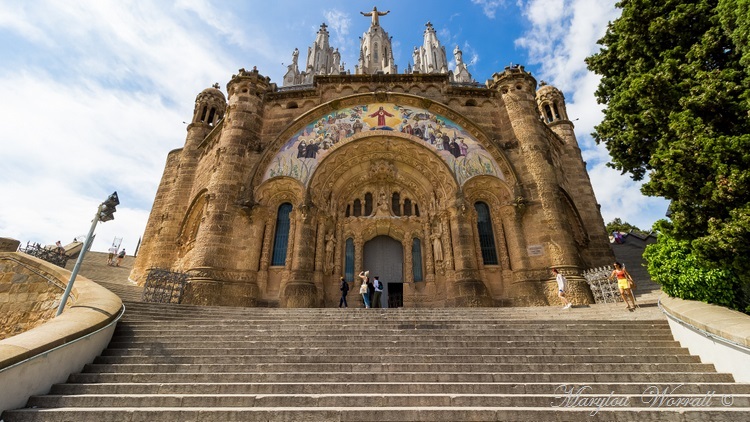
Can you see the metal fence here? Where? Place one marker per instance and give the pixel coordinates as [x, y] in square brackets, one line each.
[604, 289]
[164, 286]
[54, 256]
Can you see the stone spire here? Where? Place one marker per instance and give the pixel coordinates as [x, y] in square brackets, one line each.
[430, 58]
[461, 74]
[322, 59]
[375, 52]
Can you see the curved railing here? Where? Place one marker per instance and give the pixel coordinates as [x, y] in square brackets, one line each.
[31, 362]
[718, 335]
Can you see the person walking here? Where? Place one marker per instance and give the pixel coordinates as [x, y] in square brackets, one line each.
[378, 285]
[363, 288]
[111, 257]
[344, 287]
[625, 284]
[120, 257]
[562, 285]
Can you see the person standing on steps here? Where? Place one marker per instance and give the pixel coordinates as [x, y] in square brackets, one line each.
[363, 288]
[120, 257]
[625, 284]
[562, 285]
[370, 292]
[344, 287]
[378, 285]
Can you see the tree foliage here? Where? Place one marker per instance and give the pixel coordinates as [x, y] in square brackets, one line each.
[621, 226]
[677, 98]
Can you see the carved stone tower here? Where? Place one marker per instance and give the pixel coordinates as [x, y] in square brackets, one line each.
[375, 51]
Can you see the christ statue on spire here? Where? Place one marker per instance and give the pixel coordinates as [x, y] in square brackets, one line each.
[375, 15]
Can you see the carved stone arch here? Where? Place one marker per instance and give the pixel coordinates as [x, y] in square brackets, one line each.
[579, 232]
[378, 160]
[192, 220]
[494, 192]
[275, 192]
[434, 107]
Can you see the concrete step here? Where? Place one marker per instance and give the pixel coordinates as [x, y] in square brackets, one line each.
[402, 377]
[390, 387]
[366, 413]
[240, 357]
[357, 400]
[348, 350]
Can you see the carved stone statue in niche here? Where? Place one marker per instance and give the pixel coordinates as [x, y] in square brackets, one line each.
[437, 247]
[384, 208]
[330, 246]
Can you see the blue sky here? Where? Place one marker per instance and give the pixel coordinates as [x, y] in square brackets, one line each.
[94, 94]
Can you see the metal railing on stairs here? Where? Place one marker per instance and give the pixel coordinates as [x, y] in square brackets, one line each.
[164, 286]
[604, 289]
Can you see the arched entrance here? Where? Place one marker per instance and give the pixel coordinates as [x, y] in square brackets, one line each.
[384, 257]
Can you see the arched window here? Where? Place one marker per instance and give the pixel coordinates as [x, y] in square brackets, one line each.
[416, 259]
[281, 239]
[416, 210]
[396, 203]
[486, 236]
[407, 207]
[557, 112]
[211, 116]
[349, 264]
[548, 112]
[357, 207]
[375, 53]
[368, 203]
[203, 114]
[348, 210]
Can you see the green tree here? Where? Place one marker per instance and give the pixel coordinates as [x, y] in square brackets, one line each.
[618, 225]
[676, 85]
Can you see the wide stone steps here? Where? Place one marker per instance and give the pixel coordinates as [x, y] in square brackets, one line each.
[382, 388]
[390, 358]
[372, 412]
[334, 352]
[339, 400]
[400, 367]
[188, 363]
[344, 377]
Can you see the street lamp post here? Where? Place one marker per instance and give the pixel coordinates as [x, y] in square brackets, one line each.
[105, 212]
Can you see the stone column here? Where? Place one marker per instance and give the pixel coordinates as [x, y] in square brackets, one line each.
[300, 290]
[467, 288]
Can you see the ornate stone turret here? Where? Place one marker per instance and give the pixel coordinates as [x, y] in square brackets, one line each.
[320, 56]
[210, 105]
[551, 103]
[461, 74]
[430, 57]
[375, 51]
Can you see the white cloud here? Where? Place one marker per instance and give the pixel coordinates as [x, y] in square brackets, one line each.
[489, 7]
[562, 34]
[339, 22]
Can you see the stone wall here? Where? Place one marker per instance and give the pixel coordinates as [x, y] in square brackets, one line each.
[28, 295]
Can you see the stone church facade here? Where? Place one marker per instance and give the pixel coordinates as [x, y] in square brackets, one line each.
[452, 192]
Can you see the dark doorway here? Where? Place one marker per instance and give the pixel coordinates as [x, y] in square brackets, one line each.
[384, 258]
[395, 295]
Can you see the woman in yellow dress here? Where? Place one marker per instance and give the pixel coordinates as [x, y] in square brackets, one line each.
[625, 284]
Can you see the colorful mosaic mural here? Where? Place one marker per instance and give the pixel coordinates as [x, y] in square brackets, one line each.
[300, 156]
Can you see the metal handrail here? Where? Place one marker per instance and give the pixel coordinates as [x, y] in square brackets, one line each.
[708, 335]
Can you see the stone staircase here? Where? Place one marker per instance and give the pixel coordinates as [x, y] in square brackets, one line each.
[189, 363]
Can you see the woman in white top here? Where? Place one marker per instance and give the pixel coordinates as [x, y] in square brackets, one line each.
[562, 284]
[363, 288]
